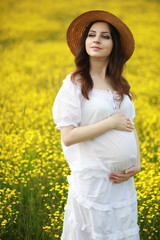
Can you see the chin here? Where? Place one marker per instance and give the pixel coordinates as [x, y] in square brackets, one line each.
[98, 55]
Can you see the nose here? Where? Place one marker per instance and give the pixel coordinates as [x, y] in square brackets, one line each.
[97, 39]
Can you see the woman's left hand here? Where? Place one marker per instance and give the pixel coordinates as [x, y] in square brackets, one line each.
[122, 177]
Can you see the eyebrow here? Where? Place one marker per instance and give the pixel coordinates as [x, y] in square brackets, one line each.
[95, 31]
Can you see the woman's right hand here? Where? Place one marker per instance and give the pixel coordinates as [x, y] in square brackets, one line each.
[121, 122]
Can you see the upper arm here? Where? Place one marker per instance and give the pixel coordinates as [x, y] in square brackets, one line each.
[67, 105]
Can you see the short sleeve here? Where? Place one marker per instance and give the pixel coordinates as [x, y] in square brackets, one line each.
[66, 108]
[133, 113]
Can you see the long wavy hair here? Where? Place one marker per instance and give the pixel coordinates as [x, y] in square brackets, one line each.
[114, 69]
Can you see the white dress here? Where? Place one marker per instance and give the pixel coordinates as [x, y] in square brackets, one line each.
[96, 208]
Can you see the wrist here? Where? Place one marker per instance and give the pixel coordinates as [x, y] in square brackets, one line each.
[138, 168]
[111, 121]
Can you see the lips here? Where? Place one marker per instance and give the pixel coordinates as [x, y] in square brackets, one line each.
[96, 48]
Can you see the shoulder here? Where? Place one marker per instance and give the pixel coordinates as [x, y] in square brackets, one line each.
[128, 97]
[76, 79]
[75, 85]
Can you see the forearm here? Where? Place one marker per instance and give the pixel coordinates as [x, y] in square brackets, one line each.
[138, 149]
[71, 135]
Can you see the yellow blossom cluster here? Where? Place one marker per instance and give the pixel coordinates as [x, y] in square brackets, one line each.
[34, 61]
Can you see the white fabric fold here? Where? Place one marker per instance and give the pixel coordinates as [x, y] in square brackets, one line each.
[81, 222]
[101, 194]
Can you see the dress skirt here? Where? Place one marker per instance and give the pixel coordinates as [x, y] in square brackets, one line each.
[97, 209]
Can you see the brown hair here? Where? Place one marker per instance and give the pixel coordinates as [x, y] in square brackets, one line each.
[114, 69]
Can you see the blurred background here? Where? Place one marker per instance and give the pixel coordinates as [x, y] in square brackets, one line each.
[35, 59]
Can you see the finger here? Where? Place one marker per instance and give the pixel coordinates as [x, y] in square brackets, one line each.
[130, 125]
[129, 122]
[115, 174]
[123, 178]
[117, 182]
[119, 175]
[129, 129]
[116, 179]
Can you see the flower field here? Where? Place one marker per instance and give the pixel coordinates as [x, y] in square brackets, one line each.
[34, 61]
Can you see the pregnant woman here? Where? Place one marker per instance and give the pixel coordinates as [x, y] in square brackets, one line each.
[94, 112]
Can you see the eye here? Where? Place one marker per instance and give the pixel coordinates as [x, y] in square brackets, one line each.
[106, 36]
[91, 35]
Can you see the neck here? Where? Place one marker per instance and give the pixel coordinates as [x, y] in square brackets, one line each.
[98, 67]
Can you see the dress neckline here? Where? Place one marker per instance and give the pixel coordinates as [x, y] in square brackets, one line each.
[105, 90]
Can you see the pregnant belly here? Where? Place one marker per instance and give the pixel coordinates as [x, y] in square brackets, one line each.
[116, 150]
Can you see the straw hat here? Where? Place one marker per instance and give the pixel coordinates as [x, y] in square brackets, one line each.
[79, 24]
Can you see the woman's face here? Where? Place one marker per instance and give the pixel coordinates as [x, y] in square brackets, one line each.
[99, 41]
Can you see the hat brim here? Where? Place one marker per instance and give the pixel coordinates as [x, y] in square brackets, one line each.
[79, 24]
